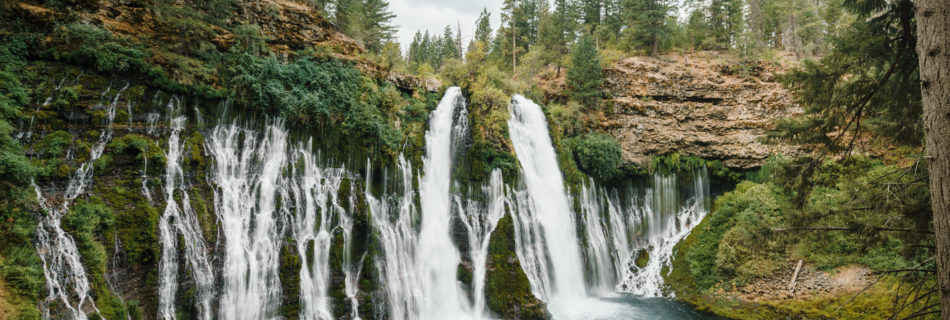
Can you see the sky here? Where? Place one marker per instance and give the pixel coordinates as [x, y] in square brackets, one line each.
[434, 15]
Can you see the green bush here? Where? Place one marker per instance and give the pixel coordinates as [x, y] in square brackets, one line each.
[22, 270]
[95, 47]
[85, 222]
[313, 92]
[730, 240]
[598, 155]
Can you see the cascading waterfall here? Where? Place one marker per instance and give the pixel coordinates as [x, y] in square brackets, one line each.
[651, 226]
[437, 256]
[314, 191]
[394, 217]
[419, 269]
[66, 279]
[547, 232]
[179, 220]
[247, 175]
[480, 221]
[669, 220]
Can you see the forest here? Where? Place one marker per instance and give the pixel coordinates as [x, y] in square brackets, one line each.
[116, 119]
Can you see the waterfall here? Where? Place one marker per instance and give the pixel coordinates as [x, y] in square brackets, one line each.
[180, 220]
[315, 193]
[419, 269]
[438, 257]
[669, 219]
[394, 218]
[247, 174]
[650, 225]
[480, 220]
[351, 272]
[549, 207]
[66, 279]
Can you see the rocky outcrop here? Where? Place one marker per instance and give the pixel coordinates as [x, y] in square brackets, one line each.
[287, 28]
[700, 105]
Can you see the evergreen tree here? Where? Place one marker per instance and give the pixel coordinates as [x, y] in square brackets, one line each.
[584, 77]
[725, 23]
[647, 24]
[368, 21]
[590, 15]
[449, 45]
[483, 27]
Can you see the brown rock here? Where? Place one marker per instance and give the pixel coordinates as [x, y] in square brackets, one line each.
[696, 105]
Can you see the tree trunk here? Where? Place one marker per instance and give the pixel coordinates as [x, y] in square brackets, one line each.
[933, 50]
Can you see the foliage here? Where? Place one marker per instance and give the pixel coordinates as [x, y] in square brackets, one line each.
[314, 92]
[648, 23]
[584, 77]
[369, 21]
[598, 155]
[753, 230]
[90, 45]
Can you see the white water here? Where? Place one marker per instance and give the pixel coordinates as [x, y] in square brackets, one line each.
[351, 271]
[179, 220]
[437, 256]
[480, 220]
[669, 220]
[547, 231]
[314, 191]
[66, 281]
[420, 270]
[394, 218]
[247, 173]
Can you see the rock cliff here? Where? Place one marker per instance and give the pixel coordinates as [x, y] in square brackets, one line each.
[702, 104]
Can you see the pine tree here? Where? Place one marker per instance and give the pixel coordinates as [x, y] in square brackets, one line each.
[647, 24]
[483, 27]
[590, 15]
[725, 23]
[448, 44]
[368, 21]
[584, 77]
[933, 22]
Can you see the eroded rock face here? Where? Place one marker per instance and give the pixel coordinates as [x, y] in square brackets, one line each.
[696, 105]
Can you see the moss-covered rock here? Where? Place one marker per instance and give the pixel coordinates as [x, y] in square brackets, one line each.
[507, 289]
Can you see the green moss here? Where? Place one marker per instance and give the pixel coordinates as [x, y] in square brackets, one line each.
[507, 286]
[290, 280]
[643, 258]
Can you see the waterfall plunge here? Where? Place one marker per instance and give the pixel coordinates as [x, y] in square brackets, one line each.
[547, 215]
[420, 270]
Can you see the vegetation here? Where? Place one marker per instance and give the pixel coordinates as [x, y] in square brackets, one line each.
[598, 155]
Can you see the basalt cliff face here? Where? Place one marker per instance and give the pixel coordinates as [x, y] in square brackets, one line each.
[702, 105]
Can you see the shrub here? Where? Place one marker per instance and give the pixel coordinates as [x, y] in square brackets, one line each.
[22, 270]
[598, 155]
[314, 92]
[93, 46]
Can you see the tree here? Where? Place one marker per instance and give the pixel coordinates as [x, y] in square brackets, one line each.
[725, 22]
[933, 48]
[483, 27]
[590, 14]
[647, 23]
[368, 21]
[584, 77]
[449, 47]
